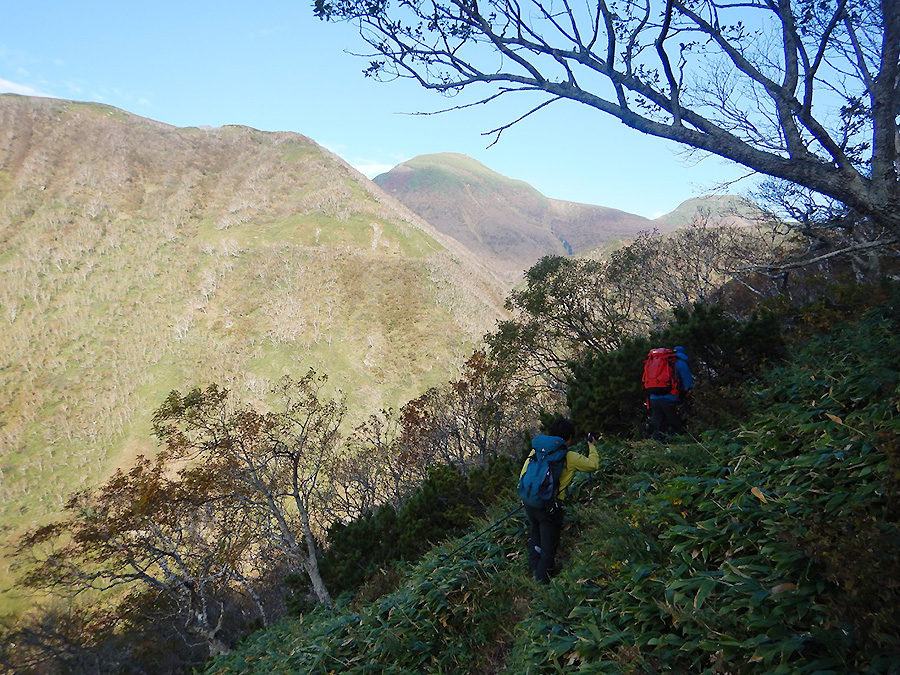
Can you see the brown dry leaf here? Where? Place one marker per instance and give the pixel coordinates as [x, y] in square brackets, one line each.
[782, 588]
[834, 418]
[759, 495]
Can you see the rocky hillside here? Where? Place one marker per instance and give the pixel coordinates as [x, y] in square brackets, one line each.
[137, 258]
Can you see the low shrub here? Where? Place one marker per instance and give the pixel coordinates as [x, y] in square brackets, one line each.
[445, 504]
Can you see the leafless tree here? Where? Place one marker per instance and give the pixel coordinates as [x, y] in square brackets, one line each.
[465, 422]
[375, 468]
[828, 229]
[197, 538]
[573, 306]
[691, 264]
[807, 91]
[270, 464]
[143, 531]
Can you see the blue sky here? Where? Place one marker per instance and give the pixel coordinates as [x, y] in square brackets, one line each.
[273, 66]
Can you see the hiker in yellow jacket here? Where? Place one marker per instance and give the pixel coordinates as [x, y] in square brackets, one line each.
[545, 514]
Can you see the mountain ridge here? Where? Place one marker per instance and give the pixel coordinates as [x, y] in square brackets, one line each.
[512, 225]
[137, 257]
[507, 222]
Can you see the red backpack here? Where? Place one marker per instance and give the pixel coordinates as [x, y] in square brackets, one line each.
[660, 375]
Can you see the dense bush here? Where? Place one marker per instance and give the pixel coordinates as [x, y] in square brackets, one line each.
[445, 504]
[780, 553]
[448, 617]
[605, 393]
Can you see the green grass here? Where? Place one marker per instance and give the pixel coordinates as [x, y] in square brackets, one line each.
[453, 172]
[296, 151]
[321, 230]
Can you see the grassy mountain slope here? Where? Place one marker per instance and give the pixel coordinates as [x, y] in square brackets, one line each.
[137, 258]
[770, 548]
[507, 222]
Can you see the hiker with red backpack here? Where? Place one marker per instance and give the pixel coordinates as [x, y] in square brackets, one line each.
[667, 378]
[546, 474]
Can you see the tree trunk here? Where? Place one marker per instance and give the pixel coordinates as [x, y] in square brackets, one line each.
[312, 567]
[209, 634]
[217, 647]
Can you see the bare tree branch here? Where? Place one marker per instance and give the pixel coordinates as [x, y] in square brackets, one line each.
[807, 262]
[800, 90]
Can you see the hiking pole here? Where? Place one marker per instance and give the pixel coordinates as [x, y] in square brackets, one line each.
[697, 441]
[504, 518]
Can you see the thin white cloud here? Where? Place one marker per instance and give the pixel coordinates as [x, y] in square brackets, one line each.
[7, 87]
[372, 169]
[366, 166]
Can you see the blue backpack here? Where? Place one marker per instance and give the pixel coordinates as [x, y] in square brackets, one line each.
[539, 485]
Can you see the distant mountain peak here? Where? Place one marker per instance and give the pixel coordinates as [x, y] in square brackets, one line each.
[511, 225]
[506, 222]
[718, 208]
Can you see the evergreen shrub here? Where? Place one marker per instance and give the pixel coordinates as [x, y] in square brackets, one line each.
[445, 504]
[605, 393]
[778, 554]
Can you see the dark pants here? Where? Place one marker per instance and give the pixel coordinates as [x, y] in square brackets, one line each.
[665, 419]
[543, 540]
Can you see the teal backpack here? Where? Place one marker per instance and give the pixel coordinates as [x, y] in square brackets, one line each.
[539, 485]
